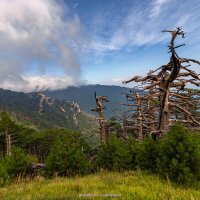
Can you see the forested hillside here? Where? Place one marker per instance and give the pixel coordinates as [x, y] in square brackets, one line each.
[42, 111]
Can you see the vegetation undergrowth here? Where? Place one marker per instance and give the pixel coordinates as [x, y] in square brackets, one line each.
[127, 185]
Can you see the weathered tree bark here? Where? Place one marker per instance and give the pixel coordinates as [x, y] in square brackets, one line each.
[100, 110]
[139, 117]
[151, 110]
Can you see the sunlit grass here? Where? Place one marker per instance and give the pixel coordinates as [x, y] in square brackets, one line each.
[127, 185]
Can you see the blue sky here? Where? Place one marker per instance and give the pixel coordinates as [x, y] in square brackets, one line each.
[52, 44]
[126, 35]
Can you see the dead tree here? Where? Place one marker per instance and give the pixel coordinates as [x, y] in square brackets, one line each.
[136, 119]
[127, 124]
[8, 143]
[139, 117]
[166, 85]
[185, 106]
[100, 110]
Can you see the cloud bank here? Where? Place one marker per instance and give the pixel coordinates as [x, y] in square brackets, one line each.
[38, 36]
[40, 83]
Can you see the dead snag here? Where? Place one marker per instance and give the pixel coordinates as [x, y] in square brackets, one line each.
[100, 110]
[167, 87]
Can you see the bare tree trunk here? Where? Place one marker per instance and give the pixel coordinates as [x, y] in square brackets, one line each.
[102, 127]
[100, 110]
[8, 143]
[151, 109]
[139, 117]
[164, 112]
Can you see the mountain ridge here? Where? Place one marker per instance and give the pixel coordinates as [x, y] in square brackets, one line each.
[84, 96]
[67, 108]
[43, 111]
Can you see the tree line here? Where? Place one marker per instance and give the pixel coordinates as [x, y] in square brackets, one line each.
[68, 153]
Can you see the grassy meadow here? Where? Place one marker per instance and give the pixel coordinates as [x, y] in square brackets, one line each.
[105, 185]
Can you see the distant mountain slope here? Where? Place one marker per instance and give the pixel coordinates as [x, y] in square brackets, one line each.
[84, 96]
[67, 108]
[43, 111]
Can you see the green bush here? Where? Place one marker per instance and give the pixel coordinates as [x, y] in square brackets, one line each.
[4, 177]
[66, 159]
[147, 155]
[179, 158]
[117, 154]
[16, 164]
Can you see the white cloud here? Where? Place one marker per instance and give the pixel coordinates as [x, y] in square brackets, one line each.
[116, 81]
[40, 83]
[75, 5]
[156, 7]
[39, 33]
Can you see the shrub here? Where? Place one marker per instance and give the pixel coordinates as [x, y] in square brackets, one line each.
[179, 158]
[4, 177]
[147, 154]
[66, 159]
[16, 164]
[31, 158]
[116, 154]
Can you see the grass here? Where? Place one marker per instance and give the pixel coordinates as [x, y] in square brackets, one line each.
[128, 186]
